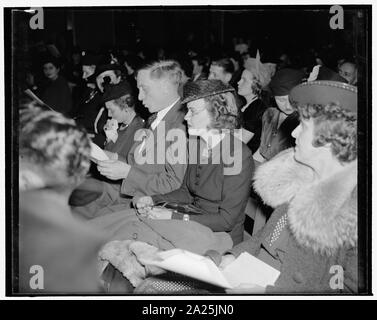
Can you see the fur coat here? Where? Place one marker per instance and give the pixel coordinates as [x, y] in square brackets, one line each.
[319, 254]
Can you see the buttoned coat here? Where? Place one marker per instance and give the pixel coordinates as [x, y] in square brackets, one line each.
[221, 194]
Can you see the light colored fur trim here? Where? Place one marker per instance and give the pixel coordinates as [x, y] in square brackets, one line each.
[278, 180]
[322, 215]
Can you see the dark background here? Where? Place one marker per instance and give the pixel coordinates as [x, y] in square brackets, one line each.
[292, 27]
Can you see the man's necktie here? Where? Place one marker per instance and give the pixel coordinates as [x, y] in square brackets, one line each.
[150, 120]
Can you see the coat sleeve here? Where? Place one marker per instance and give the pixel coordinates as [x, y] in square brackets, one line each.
[139, 181]
[150, 183]
[235, 193]
[181, 195]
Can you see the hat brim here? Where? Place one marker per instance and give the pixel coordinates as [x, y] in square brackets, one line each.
[325, 92]
[205, 95]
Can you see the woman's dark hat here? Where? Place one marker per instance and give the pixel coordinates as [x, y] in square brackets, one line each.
[195, 90]
[285, 80]
[117, 91]
[325, 92]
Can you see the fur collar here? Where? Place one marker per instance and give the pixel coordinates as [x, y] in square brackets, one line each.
[321, 215]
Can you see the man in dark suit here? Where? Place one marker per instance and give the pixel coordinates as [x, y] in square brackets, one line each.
[158, 90]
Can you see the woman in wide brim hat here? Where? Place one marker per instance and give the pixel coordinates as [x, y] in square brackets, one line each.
[313, 188]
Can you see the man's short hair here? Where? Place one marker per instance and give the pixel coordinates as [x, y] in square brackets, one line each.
[169, 69]
[335, 125]
[55, 145]
[226, 64]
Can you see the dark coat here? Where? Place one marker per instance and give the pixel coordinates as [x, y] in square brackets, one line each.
[274, 139]
[125, 138]
[88, 110]
[252, 121]
[58, 96]
[322, 226]
[156, 178]
[221, 195]
[51, 238]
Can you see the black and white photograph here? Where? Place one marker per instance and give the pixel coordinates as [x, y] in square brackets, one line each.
[216, 150]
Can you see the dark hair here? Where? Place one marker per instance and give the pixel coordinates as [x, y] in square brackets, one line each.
[226, 64]
[55, 61]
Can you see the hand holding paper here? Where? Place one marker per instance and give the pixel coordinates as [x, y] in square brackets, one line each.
[97, 153]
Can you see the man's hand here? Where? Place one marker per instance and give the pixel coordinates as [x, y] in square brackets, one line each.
[111, 155]
[113, 169]
[143, 204]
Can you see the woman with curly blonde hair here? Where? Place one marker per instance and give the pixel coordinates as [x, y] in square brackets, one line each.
[53, 246]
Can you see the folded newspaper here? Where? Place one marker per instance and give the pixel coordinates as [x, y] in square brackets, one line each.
[246, 269]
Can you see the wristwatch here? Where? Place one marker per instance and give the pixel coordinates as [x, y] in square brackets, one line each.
[186, 217]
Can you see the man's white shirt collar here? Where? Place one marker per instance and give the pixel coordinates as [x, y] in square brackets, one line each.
[161, 114]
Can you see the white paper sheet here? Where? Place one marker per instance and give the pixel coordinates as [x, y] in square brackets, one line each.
[249, 269]
[246, 269]
[97, 153]
[191, 265]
